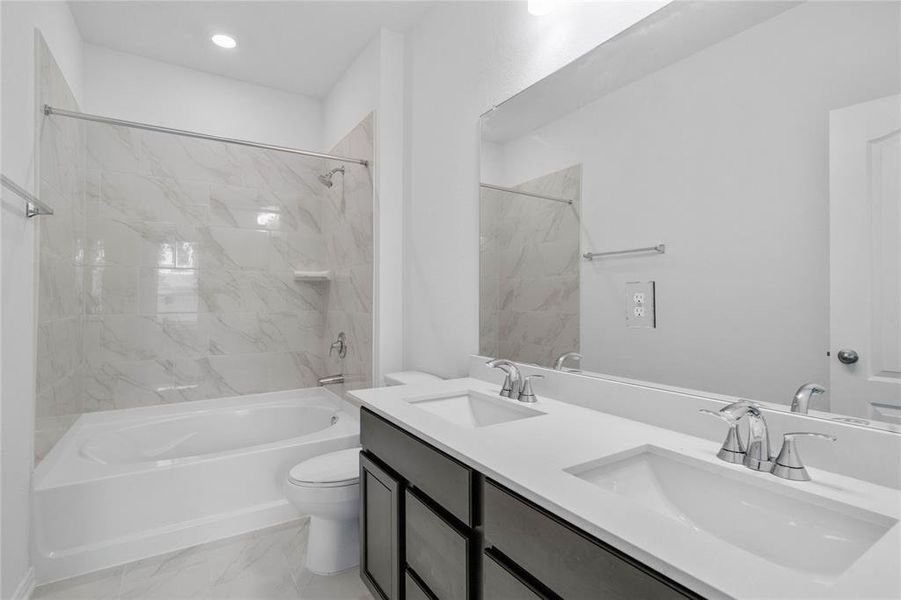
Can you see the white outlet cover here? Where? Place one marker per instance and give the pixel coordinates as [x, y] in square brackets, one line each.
[640, 304]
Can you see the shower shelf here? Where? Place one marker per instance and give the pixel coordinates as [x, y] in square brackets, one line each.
[312, 275]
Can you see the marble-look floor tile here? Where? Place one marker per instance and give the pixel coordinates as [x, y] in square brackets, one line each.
[182, 574]
[262, 565]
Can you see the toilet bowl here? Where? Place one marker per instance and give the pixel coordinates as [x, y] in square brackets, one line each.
[327, 487]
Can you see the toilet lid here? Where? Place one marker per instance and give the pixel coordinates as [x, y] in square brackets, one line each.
[328, 470]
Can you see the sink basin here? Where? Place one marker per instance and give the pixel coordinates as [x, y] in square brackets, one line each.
[472, 409]
[778, 523]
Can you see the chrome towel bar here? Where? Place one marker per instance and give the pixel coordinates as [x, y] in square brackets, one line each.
[659, 249]
[33, 206]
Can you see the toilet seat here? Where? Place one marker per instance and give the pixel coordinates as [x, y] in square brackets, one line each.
[335, 469]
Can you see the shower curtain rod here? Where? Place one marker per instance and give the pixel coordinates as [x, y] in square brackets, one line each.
[49, 110]
[501, 188]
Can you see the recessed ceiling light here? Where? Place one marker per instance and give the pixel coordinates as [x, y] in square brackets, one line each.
[224, 41]
[540, 8]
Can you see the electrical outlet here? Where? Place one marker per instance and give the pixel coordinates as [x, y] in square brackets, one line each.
[640, 305]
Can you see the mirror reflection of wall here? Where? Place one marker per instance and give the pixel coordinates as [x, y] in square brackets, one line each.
[716, 142]
[529, 267]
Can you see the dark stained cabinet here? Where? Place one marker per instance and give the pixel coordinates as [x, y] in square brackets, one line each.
[565, 560]
[414, 589]
[440, 477]
[381, 496]
[500, 582]
[436, 550]
[434, 529]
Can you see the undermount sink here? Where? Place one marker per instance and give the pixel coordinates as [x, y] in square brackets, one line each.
[472, 409]
[792, 528]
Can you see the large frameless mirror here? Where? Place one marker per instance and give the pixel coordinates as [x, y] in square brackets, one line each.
[710, 201]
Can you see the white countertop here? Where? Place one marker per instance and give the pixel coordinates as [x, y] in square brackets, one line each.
[529, 457]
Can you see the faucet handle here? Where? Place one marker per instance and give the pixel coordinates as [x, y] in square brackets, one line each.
[527, 395]
[733, 449]
[507, 387]
[788, 464]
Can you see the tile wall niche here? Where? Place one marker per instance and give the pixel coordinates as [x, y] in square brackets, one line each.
[529, 270]
[186, 272]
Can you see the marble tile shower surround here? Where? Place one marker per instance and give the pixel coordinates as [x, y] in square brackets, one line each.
[186, 273]
[529, 270]
[60, 319]
[347, 219]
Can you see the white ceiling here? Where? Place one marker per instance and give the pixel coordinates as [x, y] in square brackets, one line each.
[297, 46]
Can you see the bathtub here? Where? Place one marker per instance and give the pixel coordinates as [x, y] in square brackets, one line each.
[127, 484]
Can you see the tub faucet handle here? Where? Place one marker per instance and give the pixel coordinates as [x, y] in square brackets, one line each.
[340, 345]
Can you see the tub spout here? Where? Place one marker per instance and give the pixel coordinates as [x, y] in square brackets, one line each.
[331, 379]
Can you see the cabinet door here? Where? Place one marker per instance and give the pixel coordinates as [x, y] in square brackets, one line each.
[381, 495]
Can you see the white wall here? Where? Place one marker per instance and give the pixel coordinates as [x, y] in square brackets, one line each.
[375, 82]
[131, 87]
[18, 21]
[354, 95]
[727, 163]
[463, 58]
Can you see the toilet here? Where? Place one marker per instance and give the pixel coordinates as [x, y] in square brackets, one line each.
[327, 487]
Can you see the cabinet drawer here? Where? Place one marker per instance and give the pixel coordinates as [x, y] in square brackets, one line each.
[436, 551]
[439, 476]
[564, 559]
[414, 590]
[499, 583]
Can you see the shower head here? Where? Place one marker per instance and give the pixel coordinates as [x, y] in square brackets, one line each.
[326, 178]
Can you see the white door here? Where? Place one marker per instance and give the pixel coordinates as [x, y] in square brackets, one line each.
[865, 259]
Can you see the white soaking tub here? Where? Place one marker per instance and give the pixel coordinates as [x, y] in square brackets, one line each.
[123, 485]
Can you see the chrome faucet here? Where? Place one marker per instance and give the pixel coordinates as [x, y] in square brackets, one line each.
[801, 401]
[340, 345]
[512, 387]
[558, 364]
[331, 380]
[757, 455]
[733, 449]
[788, 464]
[527, 395]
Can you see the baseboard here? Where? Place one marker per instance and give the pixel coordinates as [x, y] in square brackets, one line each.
[26, 586]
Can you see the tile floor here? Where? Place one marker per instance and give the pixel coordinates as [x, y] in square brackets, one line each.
[262, 565]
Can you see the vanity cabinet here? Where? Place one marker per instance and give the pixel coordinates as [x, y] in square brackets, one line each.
[381, 497]
[438, 476]
[501, 582]
[563, 559]
[446, 532]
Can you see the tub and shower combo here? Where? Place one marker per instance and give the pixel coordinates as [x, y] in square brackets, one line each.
[215, 230]
[127, 484]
